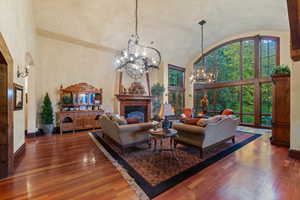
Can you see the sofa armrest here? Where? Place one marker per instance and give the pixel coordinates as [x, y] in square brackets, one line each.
[135, 127]
[189, 128]
[219, 122]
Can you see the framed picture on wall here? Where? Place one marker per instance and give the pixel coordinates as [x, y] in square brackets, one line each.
[18, 97]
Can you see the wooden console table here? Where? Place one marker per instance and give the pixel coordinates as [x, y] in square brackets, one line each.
[80, 107]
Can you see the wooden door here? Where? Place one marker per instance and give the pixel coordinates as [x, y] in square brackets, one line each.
[6, 111]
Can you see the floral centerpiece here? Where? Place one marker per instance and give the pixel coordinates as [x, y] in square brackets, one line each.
[155, 125]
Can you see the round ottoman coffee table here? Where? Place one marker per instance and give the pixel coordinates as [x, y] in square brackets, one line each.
[159, 135]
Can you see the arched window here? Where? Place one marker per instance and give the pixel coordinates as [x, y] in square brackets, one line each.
[244, 82]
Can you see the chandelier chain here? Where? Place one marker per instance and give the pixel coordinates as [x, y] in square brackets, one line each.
[136, 19]
[202, 40]
[200, 75]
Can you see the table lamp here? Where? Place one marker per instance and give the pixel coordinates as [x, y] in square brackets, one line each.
[166, 111]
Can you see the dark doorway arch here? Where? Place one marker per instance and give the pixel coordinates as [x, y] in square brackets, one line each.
[6, 110]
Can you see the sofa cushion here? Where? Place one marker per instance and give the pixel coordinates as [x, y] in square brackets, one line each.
[191, 121]
[215, 118]
[180, 127]
[120, 120]
[202, 122]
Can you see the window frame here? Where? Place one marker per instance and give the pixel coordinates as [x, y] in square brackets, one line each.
[256, 81]
[174, 88]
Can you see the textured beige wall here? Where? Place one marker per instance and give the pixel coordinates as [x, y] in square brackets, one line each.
[63, 63]
[295, 107]
[16, 25]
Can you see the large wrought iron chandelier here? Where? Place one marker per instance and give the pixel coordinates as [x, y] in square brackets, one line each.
[137, 59]
[200, 75]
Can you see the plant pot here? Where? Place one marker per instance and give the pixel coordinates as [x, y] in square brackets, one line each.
[47, 128]
[279, 75]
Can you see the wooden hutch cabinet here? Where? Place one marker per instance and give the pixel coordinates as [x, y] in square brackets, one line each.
[80, 107]
[281, 110]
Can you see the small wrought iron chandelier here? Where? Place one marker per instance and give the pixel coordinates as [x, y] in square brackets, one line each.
[200, 75]
[137, 59]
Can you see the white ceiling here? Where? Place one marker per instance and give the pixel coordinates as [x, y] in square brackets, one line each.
[171, 24]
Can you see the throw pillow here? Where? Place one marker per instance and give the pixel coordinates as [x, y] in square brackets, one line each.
[201, 115]
[227, 112]
[191, 121]
[109, 116]
[115, 117]
[122, 121]
[202, 122]
[182, 115]
[118, 119]
[133, 121]
[215, 118]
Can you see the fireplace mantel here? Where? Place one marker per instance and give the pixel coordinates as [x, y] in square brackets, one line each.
[125, 97]
[135, 100]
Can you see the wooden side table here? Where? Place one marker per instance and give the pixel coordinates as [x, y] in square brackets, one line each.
[157, 136]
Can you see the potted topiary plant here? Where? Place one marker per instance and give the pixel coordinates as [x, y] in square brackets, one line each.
[47, 115]
[281, 70]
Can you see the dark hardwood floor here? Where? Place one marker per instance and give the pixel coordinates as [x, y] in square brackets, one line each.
[72, 167]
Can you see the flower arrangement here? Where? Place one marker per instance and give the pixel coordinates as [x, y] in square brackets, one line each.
[281, 70]
[155, 124]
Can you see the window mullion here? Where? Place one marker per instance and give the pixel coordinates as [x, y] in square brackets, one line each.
[268, 53]
[257, 56]
[242, 77]
[241, 103]
[241, 61]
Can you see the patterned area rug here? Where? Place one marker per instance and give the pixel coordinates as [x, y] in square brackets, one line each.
[155, 172]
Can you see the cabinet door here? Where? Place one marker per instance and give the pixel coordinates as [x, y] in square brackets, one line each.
[89, 122]
[281, 101]
[79, 123]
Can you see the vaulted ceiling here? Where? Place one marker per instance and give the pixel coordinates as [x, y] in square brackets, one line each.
[171, 24]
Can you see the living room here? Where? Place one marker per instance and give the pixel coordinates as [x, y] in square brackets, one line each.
[142, 100]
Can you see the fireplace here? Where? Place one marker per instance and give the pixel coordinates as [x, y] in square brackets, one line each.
[132, 106]
[138, 112]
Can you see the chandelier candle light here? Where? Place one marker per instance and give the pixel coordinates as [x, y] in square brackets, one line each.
[137, 59]
[200, 75]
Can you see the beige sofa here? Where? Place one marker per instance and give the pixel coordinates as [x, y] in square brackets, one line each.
[125, 135]
[214, 133]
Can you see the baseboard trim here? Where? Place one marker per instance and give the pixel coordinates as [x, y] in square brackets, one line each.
[294, 154]
[20, 151]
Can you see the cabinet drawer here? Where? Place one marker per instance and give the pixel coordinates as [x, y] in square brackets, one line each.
[67, 126]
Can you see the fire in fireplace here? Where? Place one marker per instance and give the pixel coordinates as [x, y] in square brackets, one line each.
[139, 112]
